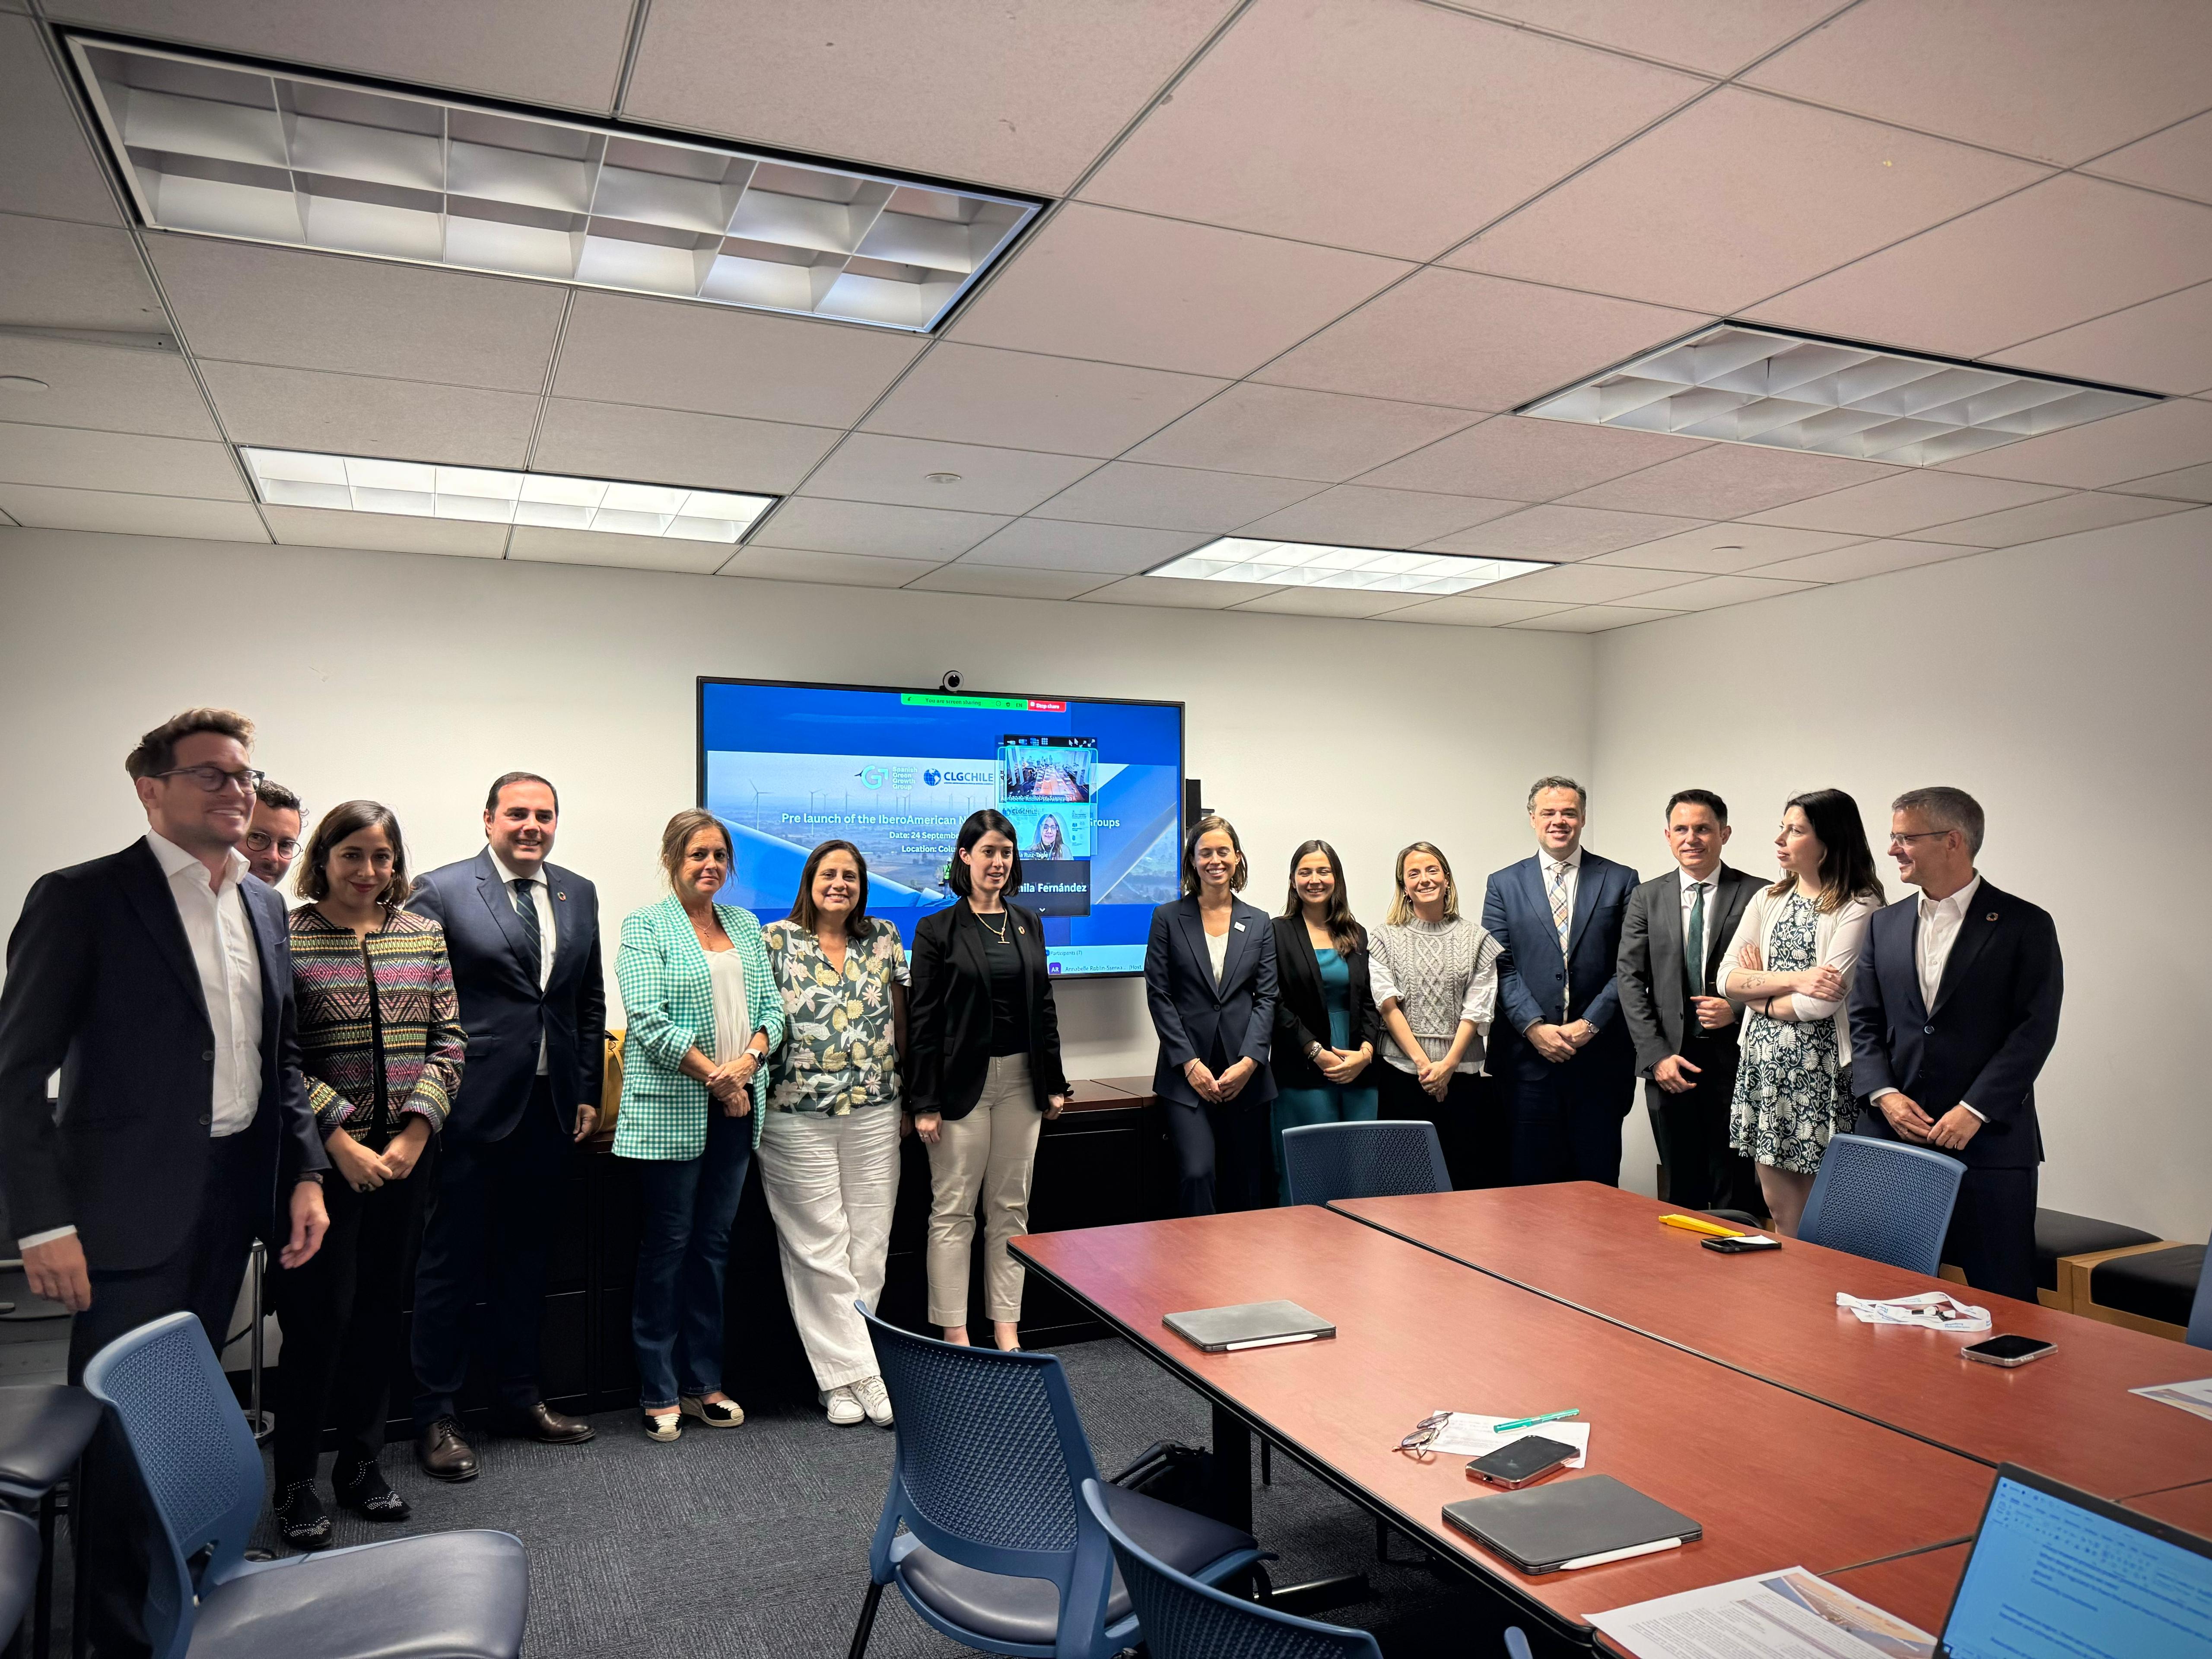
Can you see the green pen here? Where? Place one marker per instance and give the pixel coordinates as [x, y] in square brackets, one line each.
[1531, 1422]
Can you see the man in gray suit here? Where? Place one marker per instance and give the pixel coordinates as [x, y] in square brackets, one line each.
[1674, 940]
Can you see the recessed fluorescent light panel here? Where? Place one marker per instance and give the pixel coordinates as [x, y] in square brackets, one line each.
[1373, 569]
[223, 150]
[356, 483]
[1752, 385]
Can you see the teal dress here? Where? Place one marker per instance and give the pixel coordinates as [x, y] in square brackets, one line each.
[1328, 1104]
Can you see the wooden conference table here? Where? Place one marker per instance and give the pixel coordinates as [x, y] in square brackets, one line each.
[1775, 1477]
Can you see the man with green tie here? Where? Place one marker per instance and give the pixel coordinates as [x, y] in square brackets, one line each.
[1672, 939]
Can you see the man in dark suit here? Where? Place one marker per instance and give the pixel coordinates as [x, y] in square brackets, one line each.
[524, 938]
[158, 980]
[1569, 1065]
[1953, 1011]
[1674, 938]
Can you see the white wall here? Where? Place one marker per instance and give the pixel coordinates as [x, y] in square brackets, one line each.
[415, 679]
[2067, 686]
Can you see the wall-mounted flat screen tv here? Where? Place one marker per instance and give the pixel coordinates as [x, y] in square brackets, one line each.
[1093, 787]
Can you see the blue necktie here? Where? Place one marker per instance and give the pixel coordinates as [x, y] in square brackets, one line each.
[533, 941]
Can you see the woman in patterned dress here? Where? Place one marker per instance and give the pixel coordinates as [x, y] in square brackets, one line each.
[829, 1145]
[1790, 968]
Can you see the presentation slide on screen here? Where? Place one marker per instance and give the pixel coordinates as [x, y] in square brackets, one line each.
[1094, 791]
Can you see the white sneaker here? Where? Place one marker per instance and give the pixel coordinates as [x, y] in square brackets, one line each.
[874, 1398]
[844, 1409]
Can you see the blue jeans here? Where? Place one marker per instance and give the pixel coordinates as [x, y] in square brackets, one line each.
[676, 1316]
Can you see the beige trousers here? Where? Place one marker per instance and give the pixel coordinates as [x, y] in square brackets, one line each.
[986, 1155]
[832, 1183]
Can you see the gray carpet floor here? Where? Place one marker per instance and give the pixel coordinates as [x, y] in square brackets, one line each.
[752, 1543]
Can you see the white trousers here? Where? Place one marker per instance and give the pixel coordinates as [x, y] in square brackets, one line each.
[987, 1154]
[831, 1184]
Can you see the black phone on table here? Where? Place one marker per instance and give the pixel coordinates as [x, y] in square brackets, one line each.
[2009, 1350]
[1741, 1246]
[1529, 1458]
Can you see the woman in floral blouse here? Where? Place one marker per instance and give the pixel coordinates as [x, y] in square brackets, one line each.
[829, 1141]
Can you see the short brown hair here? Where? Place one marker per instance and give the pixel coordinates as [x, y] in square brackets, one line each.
[156, 752]
[1204, 827]
[277, 798]
[677, 837]
[351, 817]
[803, 908]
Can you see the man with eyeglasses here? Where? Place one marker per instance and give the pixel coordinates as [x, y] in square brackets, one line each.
[1954, 1011]
[158, 981]
[272, 838]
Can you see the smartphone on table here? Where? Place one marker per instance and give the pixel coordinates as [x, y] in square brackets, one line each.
[2009, 1350]
[1531, 1457]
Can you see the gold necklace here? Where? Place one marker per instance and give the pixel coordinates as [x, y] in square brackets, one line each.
[999, 933]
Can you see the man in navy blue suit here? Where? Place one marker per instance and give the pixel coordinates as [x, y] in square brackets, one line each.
[523, 936]
[1563, 1048]
[1954, 1011]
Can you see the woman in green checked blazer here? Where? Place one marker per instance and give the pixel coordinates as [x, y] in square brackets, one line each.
[704, 1015]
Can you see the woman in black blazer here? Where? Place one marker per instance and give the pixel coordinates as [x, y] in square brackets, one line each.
[1326, 1026]
[1209, 978]
[984, 1043]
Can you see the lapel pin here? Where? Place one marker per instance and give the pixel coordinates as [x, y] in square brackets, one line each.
[1023, 931]
[1992, 916]
[563, 897]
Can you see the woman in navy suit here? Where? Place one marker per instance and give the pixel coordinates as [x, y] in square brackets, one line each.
[1209, 978]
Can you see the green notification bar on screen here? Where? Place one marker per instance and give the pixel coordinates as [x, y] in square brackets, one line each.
[945, 700]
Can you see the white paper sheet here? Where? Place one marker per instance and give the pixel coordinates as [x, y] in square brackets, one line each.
[1789, 1614]
[1931, 1310]
[1473, 1434]
[2192, 1397]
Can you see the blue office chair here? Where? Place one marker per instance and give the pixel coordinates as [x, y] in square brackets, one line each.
[19, 1567]
[2200, 1310]
[1373, 1159]
[1884, 1200]
[454, 1595]
[998, 1551]
[44, 1429]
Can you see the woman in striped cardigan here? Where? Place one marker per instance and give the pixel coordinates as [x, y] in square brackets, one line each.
[380, 1047]
[703, 1014]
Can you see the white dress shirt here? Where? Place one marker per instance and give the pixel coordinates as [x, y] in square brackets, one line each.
[542, 893]
[1939, 922]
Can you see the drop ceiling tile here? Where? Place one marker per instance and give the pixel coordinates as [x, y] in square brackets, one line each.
[297, 309]
[667, 354]
[1173, 497]
[1126, 287]
[1560, 535]
[39, 507]
[2140, 444]
[71, 457]
[1304, 121]
[1721, 547]
[50, 167]
[1324, 602]
[668, 446]
[979, 395]
[1476, 611]
[1848, 564]
[783, 564]
[536, 544]
[2059, 254]
[1593, 619]
[1474, 342]
[385, 533]
[1298, 434]
[1589, 584]
[1358, 516]
[1176, 592]
[1911, 500]
[2161, 345]
[1726, 481]
[1695, 33]
[869, 467]
[353, 415]
[1737, 198]
[1009, 582]
[56, 275]
[1021, 96]
[563, 52]
[111, 388]
[2068, 516]
[1510, 458]
[1052, 544]
[2191, 484]
[2179, 160]
[2061, 83]
[865, 528]
[1715, 592]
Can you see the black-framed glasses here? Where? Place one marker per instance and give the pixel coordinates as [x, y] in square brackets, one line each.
[214, 779]
[261, 841]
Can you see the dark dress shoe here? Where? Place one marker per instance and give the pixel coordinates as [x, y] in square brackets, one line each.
[541, 1422]
[442, 1454]
[302, 1517]
[363, 1489]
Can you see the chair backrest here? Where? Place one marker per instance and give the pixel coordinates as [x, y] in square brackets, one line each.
[1375, 1159]
[2200, 1310]
[990, 1460]
[19, 1566]
[1884, 1200]
[1182, 1618]
[196, 1456]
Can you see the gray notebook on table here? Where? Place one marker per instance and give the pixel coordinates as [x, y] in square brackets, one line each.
[1568, 1522]
[1247, 1325]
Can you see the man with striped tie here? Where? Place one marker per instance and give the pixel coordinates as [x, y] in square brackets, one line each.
[523, 935]
[1565, 1051]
